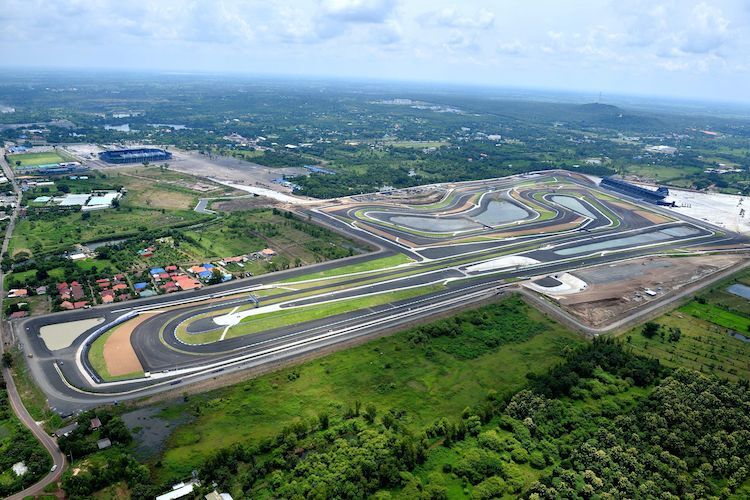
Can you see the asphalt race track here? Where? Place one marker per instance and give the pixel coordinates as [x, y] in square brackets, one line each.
[478, 239]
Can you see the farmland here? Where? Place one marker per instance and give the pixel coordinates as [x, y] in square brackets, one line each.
[711, 326]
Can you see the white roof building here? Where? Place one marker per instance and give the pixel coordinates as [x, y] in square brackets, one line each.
[179, 490]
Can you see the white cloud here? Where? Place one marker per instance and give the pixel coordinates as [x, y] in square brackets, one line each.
[693, 45]
[358, 11]
[451, 18]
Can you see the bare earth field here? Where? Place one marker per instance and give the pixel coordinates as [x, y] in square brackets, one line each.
[618, 288]
[118, 351]
[244, 203]
[230, 169]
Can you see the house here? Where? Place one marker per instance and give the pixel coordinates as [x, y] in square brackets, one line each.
[108, 299]
[103, 443]
[196, 269]
[95, 423]
[146, 252]
[19, 315]
[147, 293]
[103, 283]
[80, 304]
[156, 271]
[120, 286]
[65, 304]
[205, 275]
[170, 268]
[234, 260]
[41, 290]
[164, 276]
[76, 291]
[140, 286]
[64, 431]
[15, 293]
[187, 283]
[267, 253]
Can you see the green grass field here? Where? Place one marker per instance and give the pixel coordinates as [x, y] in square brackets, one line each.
[372, 265]
[716, 315]
[33, 159]
[58, 233]
[389, 373]
[253, 230]
[279, 319]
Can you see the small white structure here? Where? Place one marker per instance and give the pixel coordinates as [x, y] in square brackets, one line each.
[179, 490]
[661, 149]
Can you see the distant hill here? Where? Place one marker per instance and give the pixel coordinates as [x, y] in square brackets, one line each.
[609, 116]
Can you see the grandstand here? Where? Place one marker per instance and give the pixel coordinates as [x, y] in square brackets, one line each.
[657, 197]
[135, 155]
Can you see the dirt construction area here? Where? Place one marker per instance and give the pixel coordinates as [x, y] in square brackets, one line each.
[230, 169]
[615, 289]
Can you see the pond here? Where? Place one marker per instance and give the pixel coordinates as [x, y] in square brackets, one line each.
[740, 290]
[119, 128]
[500, 212]
[573, 204]
[433, 224]
[635, 240]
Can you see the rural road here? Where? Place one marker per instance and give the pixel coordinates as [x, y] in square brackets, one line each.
[10, 386]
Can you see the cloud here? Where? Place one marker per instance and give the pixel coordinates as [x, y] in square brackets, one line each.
[707, 31]
[450, 18]
[358, 11]
[514, 48]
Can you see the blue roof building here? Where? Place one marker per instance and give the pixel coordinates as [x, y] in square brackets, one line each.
[140, 286]
[157, 270]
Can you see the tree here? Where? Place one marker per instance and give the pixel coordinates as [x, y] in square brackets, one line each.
[7, 359]
[650, 329]
[370, 413]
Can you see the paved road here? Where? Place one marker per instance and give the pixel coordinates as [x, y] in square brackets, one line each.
[69, 385]
[10, 386]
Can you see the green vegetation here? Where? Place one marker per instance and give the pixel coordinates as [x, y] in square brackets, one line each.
[52, 232]
[297, 241]
[411, 371]
[701, 345]
[32, 396]
[703, 334]
[18, 444]
[287, 317]
[34, 159]
[370, 265]
[716, 315]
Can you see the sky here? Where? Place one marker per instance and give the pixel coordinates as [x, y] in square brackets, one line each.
[680, 48]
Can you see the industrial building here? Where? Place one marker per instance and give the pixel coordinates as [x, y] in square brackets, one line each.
[139, 155]
[657, 197]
